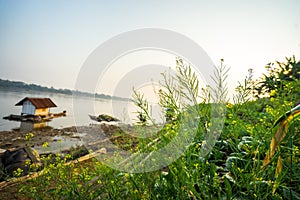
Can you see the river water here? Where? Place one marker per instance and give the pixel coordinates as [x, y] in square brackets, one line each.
[125, 110]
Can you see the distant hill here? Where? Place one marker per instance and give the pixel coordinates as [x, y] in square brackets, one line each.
[7, 85]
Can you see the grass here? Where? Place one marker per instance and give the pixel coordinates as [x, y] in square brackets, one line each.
[233, 169]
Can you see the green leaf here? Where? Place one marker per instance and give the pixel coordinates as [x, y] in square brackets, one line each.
[228, 188]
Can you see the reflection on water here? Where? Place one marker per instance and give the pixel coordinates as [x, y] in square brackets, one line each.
[28, 126]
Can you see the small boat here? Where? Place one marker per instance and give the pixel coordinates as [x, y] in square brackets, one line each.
[92, 117]
[103, 118]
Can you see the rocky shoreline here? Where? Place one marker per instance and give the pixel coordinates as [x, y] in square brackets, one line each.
[17, 148]
[17, 139]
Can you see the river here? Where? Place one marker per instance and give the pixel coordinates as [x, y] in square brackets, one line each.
[125, 110]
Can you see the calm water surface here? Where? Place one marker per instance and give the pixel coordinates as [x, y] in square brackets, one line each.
[123, 110]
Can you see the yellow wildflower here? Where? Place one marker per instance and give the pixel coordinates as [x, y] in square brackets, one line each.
[196, 165]
[229, 105]
[272, 93]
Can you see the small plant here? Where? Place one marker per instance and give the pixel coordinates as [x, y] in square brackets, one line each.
[29, 137]
[18, 173]
[144, 112]
[219, 94]
[244, 91]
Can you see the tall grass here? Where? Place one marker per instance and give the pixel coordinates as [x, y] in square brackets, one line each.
[231, 170]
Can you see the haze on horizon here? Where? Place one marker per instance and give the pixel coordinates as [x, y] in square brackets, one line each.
[47, 42]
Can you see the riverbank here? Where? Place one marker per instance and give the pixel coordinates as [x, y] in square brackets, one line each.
[18, 148]
[48, 135]
[15, 138]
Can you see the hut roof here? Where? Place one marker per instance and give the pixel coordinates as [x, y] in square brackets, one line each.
[38, 102]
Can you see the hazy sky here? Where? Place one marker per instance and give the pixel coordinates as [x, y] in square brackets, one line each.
[46, 42]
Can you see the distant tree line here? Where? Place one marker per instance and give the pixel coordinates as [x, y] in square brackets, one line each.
[7, 85]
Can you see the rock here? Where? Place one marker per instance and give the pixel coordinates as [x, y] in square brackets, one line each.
[102, 151]
[1, 165]
[13, 159]
[8, 158]
[14, 156]
[19, 156]
[17, 138]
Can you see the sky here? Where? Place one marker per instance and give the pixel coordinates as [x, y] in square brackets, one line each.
[47, 42]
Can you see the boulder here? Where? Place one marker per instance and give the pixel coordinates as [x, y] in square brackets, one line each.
[13, 159]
